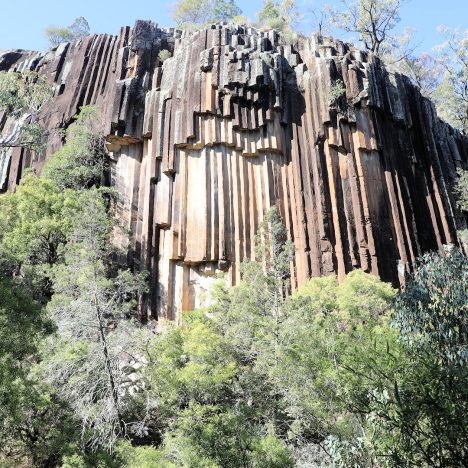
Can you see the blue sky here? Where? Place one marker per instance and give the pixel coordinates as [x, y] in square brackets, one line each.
[23, 21]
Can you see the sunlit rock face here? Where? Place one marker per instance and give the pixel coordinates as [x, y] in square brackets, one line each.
[236, 121]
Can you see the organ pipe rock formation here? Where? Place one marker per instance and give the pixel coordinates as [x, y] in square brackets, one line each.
[237, 121]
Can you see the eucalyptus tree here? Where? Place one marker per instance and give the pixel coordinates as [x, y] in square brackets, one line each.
[200, 12]
[93, 355]
[78, 30]
[279, 14]
[451, 95]
[82, 162]
[21, 96]
[372, 20]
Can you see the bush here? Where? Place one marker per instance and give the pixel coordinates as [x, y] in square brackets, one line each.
[164, 54]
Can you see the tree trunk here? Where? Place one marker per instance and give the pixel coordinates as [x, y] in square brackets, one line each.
[110, 375]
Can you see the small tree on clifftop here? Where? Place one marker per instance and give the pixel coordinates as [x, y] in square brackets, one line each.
[278, 14]
[373, 20]
[78, 30]
[204, 11]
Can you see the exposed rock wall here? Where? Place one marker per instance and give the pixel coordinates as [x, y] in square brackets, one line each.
[237, 121]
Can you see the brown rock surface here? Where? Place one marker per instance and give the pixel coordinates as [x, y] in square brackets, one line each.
[237, 121]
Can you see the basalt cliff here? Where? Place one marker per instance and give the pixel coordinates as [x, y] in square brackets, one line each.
[203, 143]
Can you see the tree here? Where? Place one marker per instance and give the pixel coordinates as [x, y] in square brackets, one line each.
[79, 28]
[204, 11]
[211, 378]
[260, 302]
[34, 222]
[82, 162]
[207, 401]
[424, 71]
[58, 35]
[279, 14]
[322, 20]
[414, 400]
[77, 31]
[91, 307]
[191, 11]
[432, 312]
[225, 10]
[452, 93]
[288, 351]
[330, 327]
[372, 20]
[27, 411]
[22, 326]
[461, 193]
[461, 190]
[239, 382]
[21, 96]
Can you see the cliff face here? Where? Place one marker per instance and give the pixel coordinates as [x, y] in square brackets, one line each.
[235, 122]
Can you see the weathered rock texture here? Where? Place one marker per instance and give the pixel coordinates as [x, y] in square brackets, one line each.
[235, 122]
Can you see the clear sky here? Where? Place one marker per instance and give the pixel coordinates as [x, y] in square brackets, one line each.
[22, 22]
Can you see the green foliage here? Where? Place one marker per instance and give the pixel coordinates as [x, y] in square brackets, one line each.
[335, 374]
[330, 328]
[37, 219]
[372, 20]
[461, 190]
[412, 392]
[258, 374]
[33, 136]
[76, 458]
[425, 72]
[91, 305]
[22, 325]
[34, 422]
[225, 10]
[34, 223]
[279, 15]
[432, 312]
[21, 96]
[81, 162]
[22, 92]
[191, 11]
[442, 76]
[451, 95]
[142, 457]
[164, 54]
[78, 30]
[241, 20]
[200, 12]
[55, 238]
[337, 90]
[41, 429]
[272, 452]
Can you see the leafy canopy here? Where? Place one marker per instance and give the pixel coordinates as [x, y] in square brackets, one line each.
[372, 20]
[21, 96]
[199, 12]
[82, 161]
[77, 31]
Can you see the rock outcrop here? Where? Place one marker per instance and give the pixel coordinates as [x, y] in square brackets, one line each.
[204, 143]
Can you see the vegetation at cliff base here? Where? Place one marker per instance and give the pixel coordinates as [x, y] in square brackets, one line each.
[335, 374]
